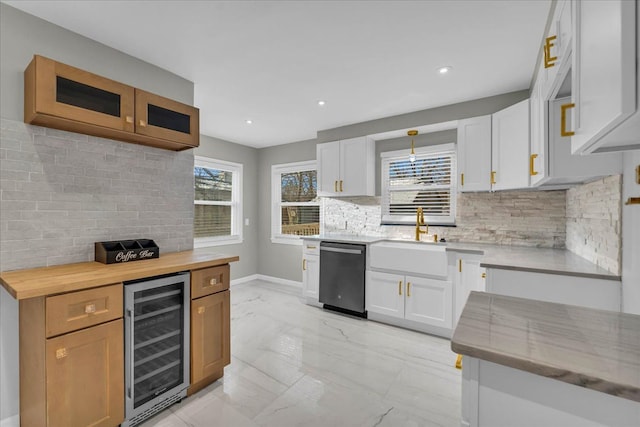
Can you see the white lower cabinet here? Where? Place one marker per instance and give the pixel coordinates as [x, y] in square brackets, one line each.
[469, 276]
[311, 272]
[417, 299]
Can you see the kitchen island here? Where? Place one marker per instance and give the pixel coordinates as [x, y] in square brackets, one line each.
[532, 363]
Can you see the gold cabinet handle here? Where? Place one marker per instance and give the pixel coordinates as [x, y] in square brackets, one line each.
[304, 264]
[460, 265]
[408, 289]
[213, 281]
[311, 247]
[484, 275]
[61, 353]
[493, 177]
[549, 61]
[201, 310]
[563, 120]
[462, 179]
[399, 287]
[633, 201]
[459, 362]
[532, 159]
[128, 119]
[341, 186]
[90, 308]
[142, 123]
[335, 186]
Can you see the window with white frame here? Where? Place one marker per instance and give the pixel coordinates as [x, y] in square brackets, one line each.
[296, 208]
[427, 182]
[218, 202]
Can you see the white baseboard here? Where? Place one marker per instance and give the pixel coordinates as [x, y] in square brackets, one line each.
[13, 421]
[280, 281]
[244, 279]
[271, 279]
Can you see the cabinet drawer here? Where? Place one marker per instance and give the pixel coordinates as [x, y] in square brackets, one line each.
[209, 281]
[310, 247]
[77, 310]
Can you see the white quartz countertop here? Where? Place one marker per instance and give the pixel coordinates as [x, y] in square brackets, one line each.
[506, 257]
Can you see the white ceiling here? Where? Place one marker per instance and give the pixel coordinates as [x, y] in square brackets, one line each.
[271, 61]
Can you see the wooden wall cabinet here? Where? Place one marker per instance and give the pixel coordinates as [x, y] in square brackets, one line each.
[210, 326]
[64, 97]
[72, 359]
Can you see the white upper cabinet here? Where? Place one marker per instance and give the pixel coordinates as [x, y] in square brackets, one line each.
[604, 79]
[347, 167]
[510, 147]
[556, 48]
[474, 154]
[538, 142]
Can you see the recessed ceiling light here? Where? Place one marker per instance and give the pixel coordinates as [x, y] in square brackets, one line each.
[445, 70]
[321, 103]
[248, 121]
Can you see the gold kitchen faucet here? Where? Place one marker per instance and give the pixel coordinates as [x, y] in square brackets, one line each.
[420, 222]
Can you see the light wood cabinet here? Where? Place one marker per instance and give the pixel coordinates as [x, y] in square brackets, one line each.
[347, 167]
[68, 98]
[85, 374]
[74, 378]
[474, 154]
[210, 326]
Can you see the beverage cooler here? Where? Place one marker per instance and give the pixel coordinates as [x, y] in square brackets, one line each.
[156, 345]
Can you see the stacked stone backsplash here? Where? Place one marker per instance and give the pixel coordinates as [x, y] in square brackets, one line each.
[594, 222]
[60, 192]
[522, 218]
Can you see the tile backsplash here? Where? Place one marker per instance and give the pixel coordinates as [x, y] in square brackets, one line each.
[524, 218]
[60, 192]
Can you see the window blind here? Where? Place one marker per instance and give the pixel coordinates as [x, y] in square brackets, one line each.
[428, 182]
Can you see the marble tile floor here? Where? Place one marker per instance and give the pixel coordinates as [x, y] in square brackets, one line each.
[297, 365]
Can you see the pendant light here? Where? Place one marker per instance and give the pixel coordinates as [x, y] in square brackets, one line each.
[412, 156]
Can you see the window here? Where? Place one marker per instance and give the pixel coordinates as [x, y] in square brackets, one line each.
[218, 207]
[296, 208]
[429, 182]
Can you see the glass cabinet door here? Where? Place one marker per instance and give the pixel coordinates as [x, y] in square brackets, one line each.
[68, 92]
[164, 118]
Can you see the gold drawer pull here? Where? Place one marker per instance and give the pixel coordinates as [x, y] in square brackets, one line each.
[633, 201]
[201, 310]
[462, 179]
[460, 265]
[335, 186]
[213, 281]
[143, 123]
[61, 353]
[484, 275]
[459, 362]
[341, 186]
[408, 289]
[304, 265]
[563, 120]
[493, 177]
[311, 247]
[90, 308]
[128, 119]
[532, 159]
[549, 61]
[400, 287]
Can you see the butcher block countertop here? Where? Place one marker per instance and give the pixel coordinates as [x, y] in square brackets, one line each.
[43, 281]
[595, 349]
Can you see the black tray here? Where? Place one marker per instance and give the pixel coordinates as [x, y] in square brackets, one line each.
[120, 251]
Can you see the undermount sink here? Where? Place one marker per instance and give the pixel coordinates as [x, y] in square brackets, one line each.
[409, 257]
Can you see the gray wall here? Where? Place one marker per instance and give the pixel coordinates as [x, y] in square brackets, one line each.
[277, 259]
[73, 189]
[247, 250]
[23, 35]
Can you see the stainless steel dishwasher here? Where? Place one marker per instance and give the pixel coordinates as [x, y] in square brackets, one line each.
[342, 275]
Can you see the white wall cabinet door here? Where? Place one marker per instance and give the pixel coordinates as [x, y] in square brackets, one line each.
[538, 141]
[385, 294]
[510, 147]
[428, 301]
[357, 157]
[328, 157]
[311, 277]
[603, 69]
[474, 154]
